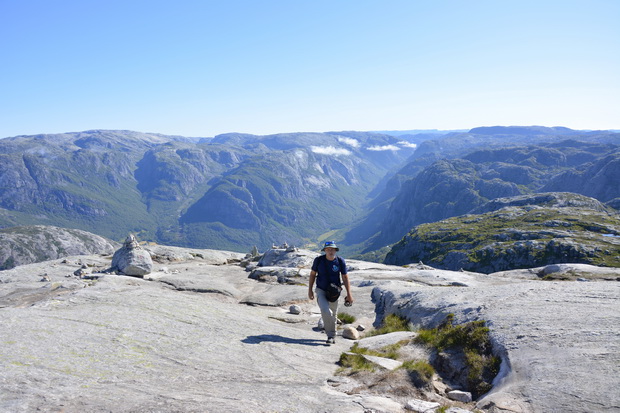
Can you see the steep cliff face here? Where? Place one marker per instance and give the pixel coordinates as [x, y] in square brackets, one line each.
[295, 194]
[600, 180]
[524, 232]
[445, 189]
[172, 176]
[294, 188]
[82, 179]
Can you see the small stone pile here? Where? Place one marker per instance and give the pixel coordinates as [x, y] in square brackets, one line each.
[131, 259]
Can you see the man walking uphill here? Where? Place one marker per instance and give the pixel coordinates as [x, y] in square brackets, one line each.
[327, 270]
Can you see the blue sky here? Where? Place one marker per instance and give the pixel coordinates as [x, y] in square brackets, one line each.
[201, 68]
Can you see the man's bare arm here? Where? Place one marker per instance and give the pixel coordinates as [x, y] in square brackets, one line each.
[311, 285]
[347, 286]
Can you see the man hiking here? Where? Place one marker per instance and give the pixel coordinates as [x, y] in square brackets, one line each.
[328, 270]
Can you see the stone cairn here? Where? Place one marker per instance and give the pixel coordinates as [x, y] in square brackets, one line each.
[132, 259]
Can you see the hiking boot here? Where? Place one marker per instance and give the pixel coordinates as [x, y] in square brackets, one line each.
[331, 340]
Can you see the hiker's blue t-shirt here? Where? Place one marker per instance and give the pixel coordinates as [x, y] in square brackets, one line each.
[328, 271]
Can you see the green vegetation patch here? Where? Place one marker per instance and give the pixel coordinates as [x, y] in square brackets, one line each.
[390, 324]
[420, 372]
[469, 341]
[374, 256]
[390, 352]
[354, 360]
[355, 363]
[346, 318]
[513, 238]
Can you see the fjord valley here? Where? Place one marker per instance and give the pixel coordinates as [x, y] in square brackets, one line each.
[364, 189]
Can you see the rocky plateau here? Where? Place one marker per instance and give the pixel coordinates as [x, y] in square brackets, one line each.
[212, 331]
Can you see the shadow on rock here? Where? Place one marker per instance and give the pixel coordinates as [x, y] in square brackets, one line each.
[279, 339]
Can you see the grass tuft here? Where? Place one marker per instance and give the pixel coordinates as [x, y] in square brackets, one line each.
[355, 362]
[390, 324]
[346, 318]
[420, 372]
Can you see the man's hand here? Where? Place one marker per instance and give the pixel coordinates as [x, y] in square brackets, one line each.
[311, 294]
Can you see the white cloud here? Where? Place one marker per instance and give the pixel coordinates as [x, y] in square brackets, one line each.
[330, 150]
[406, 144]
[349, 141]
[299, 154]
[383, 148]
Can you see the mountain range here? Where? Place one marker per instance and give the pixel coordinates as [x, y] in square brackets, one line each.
[453, 187]
[230, 192]
[365, 190]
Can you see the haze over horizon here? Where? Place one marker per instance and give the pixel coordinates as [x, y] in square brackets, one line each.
[202, 68]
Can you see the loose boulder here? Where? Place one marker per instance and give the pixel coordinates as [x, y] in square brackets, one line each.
[350, 332]
[131, 259]
[461, 396]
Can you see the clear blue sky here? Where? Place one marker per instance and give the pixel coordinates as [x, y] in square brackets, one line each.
[201, 68]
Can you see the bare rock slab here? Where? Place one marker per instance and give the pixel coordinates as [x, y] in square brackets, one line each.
[167, 254]
[421, 406]
[128, 344]
[555, 337]
[379, 404]
[287, 257]
[276, 295]
[380, 341]
[383, 362]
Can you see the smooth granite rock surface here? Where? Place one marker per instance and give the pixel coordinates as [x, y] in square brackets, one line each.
[199, 337]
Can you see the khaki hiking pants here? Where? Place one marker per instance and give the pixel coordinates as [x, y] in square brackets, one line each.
[329, 312]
